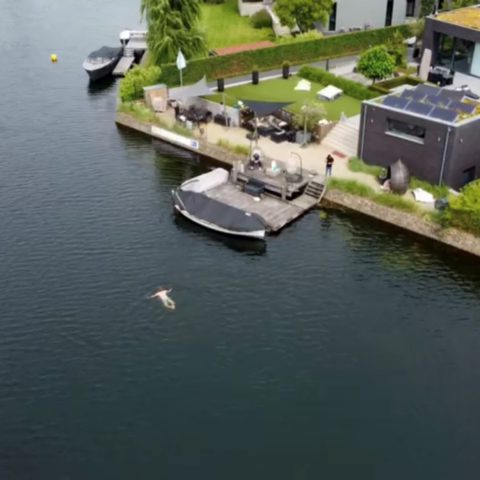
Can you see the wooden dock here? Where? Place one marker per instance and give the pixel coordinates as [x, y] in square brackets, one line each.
[135, 47]
[276, 212]
[123, 66]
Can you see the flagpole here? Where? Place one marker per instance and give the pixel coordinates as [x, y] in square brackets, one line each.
[181, 78]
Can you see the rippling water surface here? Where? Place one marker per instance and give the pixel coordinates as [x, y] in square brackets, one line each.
[341, 349]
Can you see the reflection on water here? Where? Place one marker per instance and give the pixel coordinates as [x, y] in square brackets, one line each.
[166, 149]
[250, 246]
[100, 86]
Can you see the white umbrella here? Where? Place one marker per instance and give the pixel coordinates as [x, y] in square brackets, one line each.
[303, 86]
[181, 64]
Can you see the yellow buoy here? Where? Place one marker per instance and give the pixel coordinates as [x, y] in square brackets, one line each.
[53, 57]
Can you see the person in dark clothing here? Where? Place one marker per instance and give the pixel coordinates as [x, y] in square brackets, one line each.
[329, 165]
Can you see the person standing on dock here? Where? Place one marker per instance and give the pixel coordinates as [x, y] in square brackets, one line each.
[329, 165]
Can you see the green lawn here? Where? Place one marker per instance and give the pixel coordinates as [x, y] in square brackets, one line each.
[281, 90]
[224, 26]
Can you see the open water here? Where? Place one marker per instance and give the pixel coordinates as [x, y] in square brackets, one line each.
[340, 350]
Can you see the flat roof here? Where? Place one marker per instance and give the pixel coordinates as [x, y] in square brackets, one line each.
[467, 17]
[431, 103]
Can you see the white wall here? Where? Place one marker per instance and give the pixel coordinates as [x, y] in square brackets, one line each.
[247, 9]
[358, 13]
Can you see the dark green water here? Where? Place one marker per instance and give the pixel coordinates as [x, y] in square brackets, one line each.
[342, 350]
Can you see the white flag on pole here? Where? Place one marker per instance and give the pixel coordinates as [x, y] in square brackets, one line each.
[181, 62]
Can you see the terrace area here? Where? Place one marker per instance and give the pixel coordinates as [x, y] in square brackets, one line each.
[281, 90]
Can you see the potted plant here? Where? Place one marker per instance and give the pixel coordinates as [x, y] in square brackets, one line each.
[286, 69]
[255, 75]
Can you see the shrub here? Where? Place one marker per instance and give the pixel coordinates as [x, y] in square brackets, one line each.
[296, 52]
[357, 165]
[141, 112]
[376, 63]
[131, 87]
[351, 186]
[238, 149]
[464, 209]
[397, 82]
[349, 87]
[261, 19]
[360, 189]
[437, 191]
[301, 37]
[395, 201]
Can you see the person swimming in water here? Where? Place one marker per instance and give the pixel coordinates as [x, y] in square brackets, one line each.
[162, 294]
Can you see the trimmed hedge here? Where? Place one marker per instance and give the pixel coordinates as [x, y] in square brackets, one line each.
[268, 58]
[349, 87]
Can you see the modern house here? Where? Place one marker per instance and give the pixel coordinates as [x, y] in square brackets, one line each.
[354, 14]
[454, 39]
[434, 131]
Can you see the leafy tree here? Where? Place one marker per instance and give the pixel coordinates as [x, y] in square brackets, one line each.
[463, 3]
[311, 114]
[173, 26]
[427, 7]
[131, 87]
[464, 209]
[303, 12]
[376, 63]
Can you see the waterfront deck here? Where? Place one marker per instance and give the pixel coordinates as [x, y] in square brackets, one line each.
[123, 66]
[276, 212]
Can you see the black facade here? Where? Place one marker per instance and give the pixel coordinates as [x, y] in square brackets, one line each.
[432, 150]
[452, 45]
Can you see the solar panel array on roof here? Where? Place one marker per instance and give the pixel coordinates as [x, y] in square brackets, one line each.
[428, 90]
[468, 108]
[444, 114]
[451, 95]
[437, 100]
[395, 102]
[431, 102]
[421, 108]
[413, 94]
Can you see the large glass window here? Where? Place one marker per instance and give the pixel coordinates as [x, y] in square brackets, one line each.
[463, 55]
[410, 8]
[332, 24]
[459, 55]
[405, 130]
[475, 67]
[389, 14]
[445, 50]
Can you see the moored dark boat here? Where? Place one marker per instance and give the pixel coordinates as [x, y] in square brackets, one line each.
[101, 62]
[191, 201]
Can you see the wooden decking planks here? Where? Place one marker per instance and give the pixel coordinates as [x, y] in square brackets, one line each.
[123, 66]
[275, 212]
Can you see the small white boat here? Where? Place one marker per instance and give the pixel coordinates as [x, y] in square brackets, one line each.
[192, 201]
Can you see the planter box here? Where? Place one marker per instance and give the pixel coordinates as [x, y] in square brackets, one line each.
[301, 138]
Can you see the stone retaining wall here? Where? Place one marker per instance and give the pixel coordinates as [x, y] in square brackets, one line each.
[413, 223]
[452, 237]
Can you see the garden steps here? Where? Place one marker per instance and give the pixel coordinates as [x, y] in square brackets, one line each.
[343, 138]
